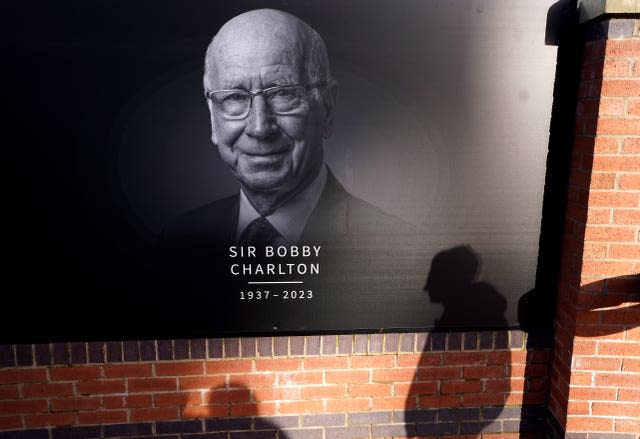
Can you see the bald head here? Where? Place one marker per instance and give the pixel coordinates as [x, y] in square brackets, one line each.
[264, 31]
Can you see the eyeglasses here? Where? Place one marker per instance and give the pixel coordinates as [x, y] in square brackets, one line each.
[281, 99]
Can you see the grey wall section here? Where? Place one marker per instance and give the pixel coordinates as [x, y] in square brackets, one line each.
[442, 121]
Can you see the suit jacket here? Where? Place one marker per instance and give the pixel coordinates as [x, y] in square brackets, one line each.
[338, 215]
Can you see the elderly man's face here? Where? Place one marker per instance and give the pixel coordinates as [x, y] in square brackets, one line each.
[266, 151]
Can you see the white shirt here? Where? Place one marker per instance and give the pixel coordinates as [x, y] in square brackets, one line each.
[290, 218]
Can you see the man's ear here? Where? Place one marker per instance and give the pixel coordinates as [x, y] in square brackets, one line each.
[330, 97]
[214, 131]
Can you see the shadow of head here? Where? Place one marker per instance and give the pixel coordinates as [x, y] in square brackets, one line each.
[453, 282]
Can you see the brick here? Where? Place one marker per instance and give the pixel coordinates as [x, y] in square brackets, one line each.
[326, 363]
[322, 420]
[177, 398]
[318, 392]
[14, 422]
[291, 407]
[454, 341]
[165, 349]
[277, 394]
[616, 409]
[230, 366]
[619, 126]
[631, 364]
[147, 350]
[592, 393]
[114, 351]
[127, 401]
[18, 376]
[631, 145]
[74, 373]
[355, 432]
[483, 399]
[623, 316]
[627, 426]
[461, 387]
[264, 422]
[620, 251]
[209, 382]
[198, 349]
[204, 411]
[254, 409]
[131, 350]
[42, 354]
[365, 390]
[181, 349]
[389, 403]
[360, 344]
[349, 376]
[629, 181]
[389, 430]
[127, 370]
[215, 348]
[23, 406]
[414, 389]
[376, 343]
[302, 433]
[154, 414]
[364, 418]
[393, 375]
[329, 344]
[439, 401]
[248, 347]
[465, 358]
[220, 396]
[617, 380]
[376, 361]
[620, 48]
[9, 392]
[620, 87]
[152, 384]
[313, 345]
[438, 373]
[227, 424]
[100, 387]
[180, 369]
[609, 234]
[348, 405]
[46, 419]
[280, 364]
[60, 353]
[613, 199]
[45, 390]
[75, 404]
[616, 68]
[253, 380]
[607, 268]
[611, 107]
[169, 427]
[102, 417]
[419, 360]
[96, 352]
[301, 378]
[296, 345]
[345, 344]
[595, 250]
[127, 430]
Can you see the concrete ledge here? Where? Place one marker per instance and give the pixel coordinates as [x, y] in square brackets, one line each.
[591, 9]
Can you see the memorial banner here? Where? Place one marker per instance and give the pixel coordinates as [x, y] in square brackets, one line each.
[255, 167]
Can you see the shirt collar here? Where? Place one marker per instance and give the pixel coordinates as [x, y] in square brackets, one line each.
[290, 218]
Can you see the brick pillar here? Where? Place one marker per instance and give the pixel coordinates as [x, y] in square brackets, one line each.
[595, 376]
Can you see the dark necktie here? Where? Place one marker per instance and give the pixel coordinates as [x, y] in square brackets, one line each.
[260, 231]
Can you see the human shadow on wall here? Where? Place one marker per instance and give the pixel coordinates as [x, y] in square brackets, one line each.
[216, 408]
[444, 398]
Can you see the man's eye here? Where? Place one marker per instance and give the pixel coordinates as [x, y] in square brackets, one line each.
[236, 97]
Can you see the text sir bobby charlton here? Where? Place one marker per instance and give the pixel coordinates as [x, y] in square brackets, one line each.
[279, 253]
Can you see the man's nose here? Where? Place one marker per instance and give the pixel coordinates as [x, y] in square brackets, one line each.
[260, 121]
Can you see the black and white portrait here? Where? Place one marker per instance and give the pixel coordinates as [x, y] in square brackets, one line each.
[265, 166]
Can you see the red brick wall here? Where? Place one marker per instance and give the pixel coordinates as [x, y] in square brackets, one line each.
[596, 368]
[315, 386]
